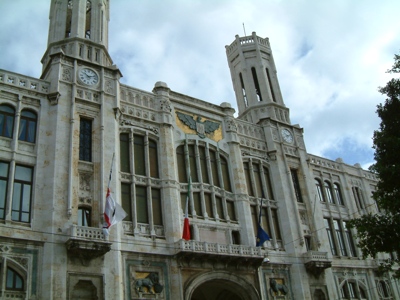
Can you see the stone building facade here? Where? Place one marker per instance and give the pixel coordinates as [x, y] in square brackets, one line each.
[58, 134]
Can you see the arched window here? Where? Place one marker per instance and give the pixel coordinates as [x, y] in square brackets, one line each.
[7, 114]
[27, 126]
[338, 194]
[14, 281]
[328, 191]
[319, 190]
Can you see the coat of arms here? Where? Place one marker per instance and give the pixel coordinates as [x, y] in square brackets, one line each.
[196, 123]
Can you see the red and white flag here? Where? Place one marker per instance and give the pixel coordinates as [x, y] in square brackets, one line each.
[113, 212]
[186, 225]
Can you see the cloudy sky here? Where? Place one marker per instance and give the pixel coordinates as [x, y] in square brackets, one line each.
[331, 56]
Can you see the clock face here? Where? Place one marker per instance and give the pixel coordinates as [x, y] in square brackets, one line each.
[88, 76]
[287, 136]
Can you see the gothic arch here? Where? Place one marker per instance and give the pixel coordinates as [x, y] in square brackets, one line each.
[238, 286]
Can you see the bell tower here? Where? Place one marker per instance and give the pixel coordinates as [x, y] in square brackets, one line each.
[255, 81]
[78, 29]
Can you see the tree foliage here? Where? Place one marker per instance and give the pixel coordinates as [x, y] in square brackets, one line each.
[381, 232]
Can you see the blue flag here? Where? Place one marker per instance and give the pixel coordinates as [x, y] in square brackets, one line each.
[262, 236]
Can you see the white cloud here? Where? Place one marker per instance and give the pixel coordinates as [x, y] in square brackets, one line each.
[331, 55]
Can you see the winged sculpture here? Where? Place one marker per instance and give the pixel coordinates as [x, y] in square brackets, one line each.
[197, 124]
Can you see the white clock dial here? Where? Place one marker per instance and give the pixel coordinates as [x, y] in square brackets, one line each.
[88, 76]
[287, 136]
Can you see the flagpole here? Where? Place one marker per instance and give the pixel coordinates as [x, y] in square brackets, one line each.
[112, 164]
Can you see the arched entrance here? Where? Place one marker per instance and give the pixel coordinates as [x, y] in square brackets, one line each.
[220, 286]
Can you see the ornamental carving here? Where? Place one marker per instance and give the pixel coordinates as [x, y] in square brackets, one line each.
[67, 74]
[196, 124]
[277, 287]
[147, 283]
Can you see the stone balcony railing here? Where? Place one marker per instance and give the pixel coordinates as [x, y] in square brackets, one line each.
[87, 243]
[316, 262]
[5, 295]
[235, 254]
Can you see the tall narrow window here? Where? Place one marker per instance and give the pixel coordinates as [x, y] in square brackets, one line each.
[330, 236]
[125, 161]
[225, 174]
[139, 155]
[257, 180]
[256, 85]
[230, 206]
[14, 281]
[248, 180]
[209, 206]
[141, 205]
[319, 190]
[271, 88]
[7, 114]
[156, 205]
[153, 159]
[84, 216]
[268, 188]
[220, 207]
[88, 19]
[339, 237]
[68, 20]
[22, 193]
[243, 90]
[296, 185]
[338, 194]
[214, 167]
[27, 126]
[180, 157]
[328, 191]
[203, 164]
[192, 162]
[85, 140]
[126, 200]
[3, 187]
[277, 232]
[358, 197]
[349, 239]
[197, 204]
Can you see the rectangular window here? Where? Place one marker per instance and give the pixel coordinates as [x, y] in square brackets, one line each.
[225, 174]
[235, 237]
[254, 217]
[85, 140]
[349, 239]
[339, 236]
[257, 180]
[208, 202]
[180, 157]
[203, 164]
[21, 202]
[4, 167]
[248, 180]
[230, 205]
[269, 194]
[330, 236]
[126, 200]
[192, 163]
[140, 162]
[125, 161]
[153, 159]
[220, 207]
[84, 216]
[214, 168]
[265, 221]
[296, 185]
[274, 213]
[157, 209]
[141, 205]
[197, 204]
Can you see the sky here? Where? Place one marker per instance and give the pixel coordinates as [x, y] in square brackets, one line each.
[331, 56]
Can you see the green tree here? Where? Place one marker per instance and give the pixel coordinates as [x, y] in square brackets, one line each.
[381, 232]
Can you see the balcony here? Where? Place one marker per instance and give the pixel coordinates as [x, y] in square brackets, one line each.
[316, 262]
[87, 243]
[190, 252]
